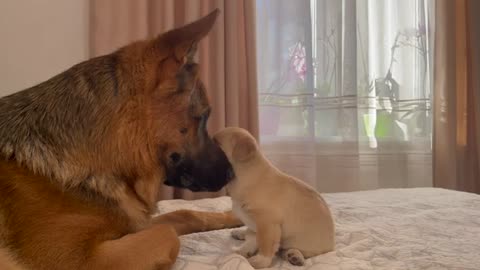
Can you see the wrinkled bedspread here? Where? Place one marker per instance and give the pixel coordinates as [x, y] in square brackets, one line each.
[420, 228]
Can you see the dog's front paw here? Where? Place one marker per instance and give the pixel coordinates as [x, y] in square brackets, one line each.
[259, 261]
[239, 234]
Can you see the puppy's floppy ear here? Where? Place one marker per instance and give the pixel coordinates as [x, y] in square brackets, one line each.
[244, 149]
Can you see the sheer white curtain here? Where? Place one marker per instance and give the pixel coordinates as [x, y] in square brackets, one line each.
[345, 91]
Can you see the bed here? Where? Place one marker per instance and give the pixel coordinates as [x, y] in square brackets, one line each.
[418, 228]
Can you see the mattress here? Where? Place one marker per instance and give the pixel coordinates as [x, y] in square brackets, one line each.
[418, 228]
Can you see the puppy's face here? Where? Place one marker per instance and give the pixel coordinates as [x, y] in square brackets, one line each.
[238, 144]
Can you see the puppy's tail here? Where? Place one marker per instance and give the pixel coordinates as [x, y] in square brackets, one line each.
[189, 221]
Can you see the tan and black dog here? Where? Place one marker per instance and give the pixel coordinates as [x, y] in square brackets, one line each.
[83, 157]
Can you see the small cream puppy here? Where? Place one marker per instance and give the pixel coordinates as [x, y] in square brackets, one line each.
[282, 214]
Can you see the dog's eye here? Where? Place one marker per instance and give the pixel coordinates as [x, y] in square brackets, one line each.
[183, 130]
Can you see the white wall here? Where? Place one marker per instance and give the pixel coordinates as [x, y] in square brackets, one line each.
[40, 38]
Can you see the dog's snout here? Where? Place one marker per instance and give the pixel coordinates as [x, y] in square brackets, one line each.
[230, 174]
[205, 169]
[186, 180]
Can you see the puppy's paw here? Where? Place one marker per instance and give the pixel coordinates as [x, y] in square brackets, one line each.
[239, 234]
[294, 256]
[259, 261]
[246, 251]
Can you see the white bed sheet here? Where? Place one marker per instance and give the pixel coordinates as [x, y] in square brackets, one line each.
[421, 228]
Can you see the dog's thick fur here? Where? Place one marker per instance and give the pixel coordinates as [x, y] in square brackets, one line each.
[84, 154]
[281, 212]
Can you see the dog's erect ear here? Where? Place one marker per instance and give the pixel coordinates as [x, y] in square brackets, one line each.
[184, 40]
[244, 149]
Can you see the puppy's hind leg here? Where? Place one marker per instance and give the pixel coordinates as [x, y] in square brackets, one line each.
[293, 256]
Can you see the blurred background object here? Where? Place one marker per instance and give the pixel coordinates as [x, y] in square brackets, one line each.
[40, 39]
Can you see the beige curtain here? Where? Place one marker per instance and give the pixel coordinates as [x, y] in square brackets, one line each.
[227, 56]
[457, 95]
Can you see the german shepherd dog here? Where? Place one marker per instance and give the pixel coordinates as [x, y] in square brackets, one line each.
[83, 157]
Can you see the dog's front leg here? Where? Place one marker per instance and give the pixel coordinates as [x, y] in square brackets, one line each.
[189, 221]
[155, 248]
[268, 242]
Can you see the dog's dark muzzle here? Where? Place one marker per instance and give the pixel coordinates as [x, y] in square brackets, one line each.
[209, 170]
[184, 181]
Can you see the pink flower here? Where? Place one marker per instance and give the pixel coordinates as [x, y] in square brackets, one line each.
[298, 60]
